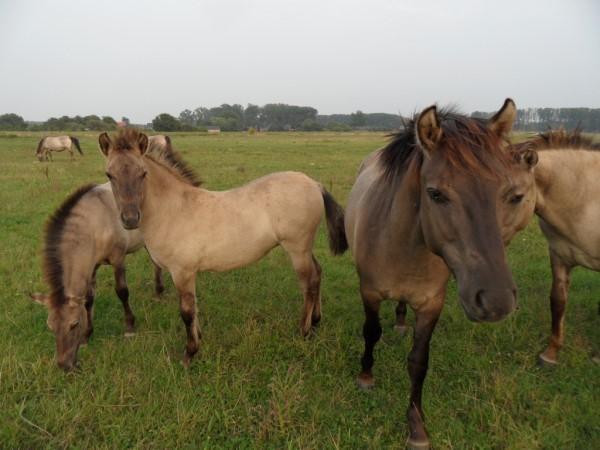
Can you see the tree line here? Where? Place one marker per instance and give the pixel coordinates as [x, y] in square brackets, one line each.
[14, 122]
[283, 117]
[540, 119]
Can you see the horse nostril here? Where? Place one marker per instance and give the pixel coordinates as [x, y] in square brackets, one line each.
[479, 299]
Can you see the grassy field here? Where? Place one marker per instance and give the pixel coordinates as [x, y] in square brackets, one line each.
[256, 383]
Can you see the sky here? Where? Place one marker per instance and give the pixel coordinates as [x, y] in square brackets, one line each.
[139, 59]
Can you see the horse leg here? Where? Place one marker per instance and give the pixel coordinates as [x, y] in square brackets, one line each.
[89, 306]
[418, 361]
[558, 302]
[316, 314]
[159, 287]
[400, 325]
[123, 293]
[309, 276]
[371, 334]
[185, 283]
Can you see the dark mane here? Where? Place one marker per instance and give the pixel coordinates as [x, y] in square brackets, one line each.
[173, 160]
[52, 263]
[561, 138]
[127, 139]
[468, 144]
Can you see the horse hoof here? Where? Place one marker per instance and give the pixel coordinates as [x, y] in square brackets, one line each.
[401, 329]
[417, 445]
[129, 334]
[544, 361]
[365, 382]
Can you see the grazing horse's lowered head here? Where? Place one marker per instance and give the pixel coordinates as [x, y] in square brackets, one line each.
[470, 204]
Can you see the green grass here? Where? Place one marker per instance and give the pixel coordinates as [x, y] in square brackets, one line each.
[256, 382]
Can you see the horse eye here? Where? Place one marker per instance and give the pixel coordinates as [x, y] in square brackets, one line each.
[516, 199]
[73, 325]
[144, 174]
[436, 196]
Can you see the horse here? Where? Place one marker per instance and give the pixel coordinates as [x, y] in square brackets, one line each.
[188, 229]
[567, 193]
[83, 233]
[159, 143]
[443, 197]
[50, 144]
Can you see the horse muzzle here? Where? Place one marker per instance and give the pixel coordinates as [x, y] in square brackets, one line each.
[131, 219]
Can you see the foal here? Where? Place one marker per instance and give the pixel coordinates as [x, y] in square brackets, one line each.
[188, 229]
[442, 198]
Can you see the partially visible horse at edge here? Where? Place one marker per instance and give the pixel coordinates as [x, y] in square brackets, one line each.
[50, 144]
[442, 198]
[188, 229]
[568, 190]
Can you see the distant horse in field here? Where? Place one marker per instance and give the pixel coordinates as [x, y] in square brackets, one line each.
[83, 233]
[51, 144]
[443, 197]
[159, 143]
[188, 229]
[568, 192]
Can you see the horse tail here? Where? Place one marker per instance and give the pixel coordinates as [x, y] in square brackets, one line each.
[76, 142]
[39, 147]
[335, 224]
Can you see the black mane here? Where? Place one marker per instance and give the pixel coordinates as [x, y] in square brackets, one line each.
[52, 265]
[468, 142]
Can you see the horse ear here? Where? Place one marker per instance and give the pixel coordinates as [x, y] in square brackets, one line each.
[42, 299]
[530, 158]
[105, 143]
[142, 142]
[428, 129]
[503, 120]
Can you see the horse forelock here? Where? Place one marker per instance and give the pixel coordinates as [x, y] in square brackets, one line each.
[52, 260]
[467, 144]
[126, 139]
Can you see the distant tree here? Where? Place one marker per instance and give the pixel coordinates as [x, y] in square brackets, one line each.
[12, 122]
[165, 122]
[358, 119]
[109, 121]
[336, 126]
[311, 125]
[186, 117]
[252, 116]
[125, 120]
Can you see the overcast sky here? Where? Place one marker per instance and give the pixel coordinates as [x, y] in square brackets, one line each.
[139, 59]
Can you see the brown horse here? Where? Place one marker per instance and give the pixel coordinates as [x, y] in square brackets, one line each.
[188, 229]
[568, 190]
[83, 233]
[50, 144]
[442, 198]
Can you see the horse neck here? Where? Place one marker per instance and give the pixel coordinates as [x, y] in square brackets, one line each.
[400, 211]
[561, 181]
[164, 192]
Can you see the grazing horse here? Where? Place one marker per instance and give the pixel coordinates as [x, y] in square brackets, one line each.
[189, 229]
[83, 233]
[51, 144]
[442, 198]
[568, 190]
